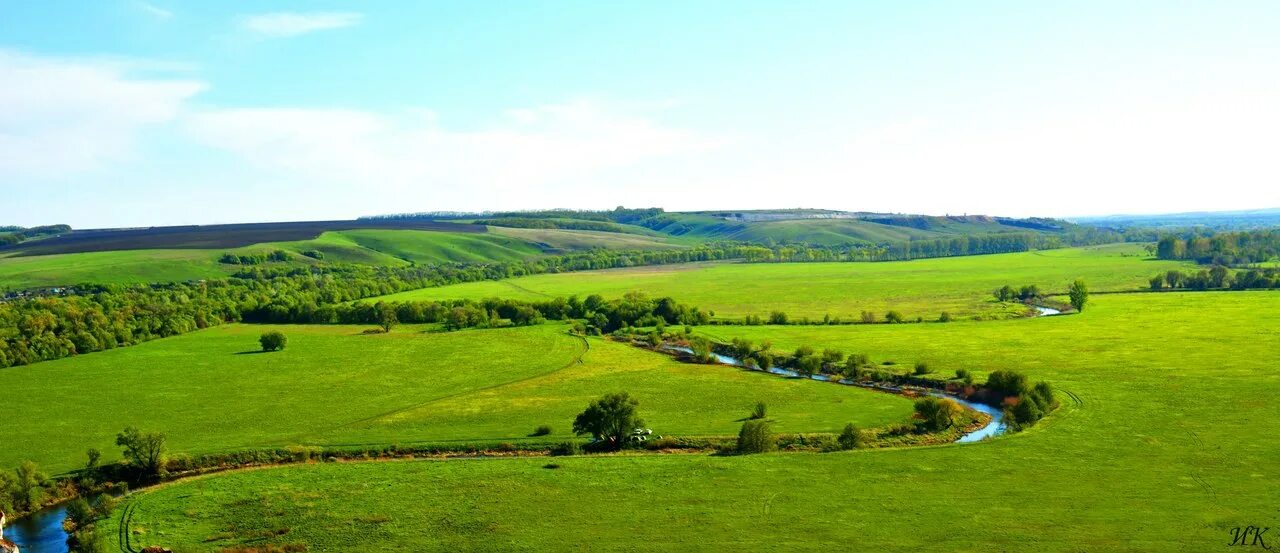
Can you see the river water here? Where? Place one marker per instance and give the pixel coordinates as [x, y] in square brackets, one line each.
[993, 428]
[39, 533]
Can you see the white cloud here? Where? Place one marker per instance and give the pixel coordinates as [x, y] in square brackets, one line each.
[64, 116]
[288, 24]
[154, 10]
[522, 158]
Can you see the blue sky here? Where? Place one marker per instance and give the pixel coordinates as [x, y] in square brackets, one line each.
[126, 113]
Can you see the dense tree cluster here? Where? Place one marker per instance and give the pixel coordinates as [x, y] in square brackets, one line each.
[1023, 404]
[1222, 248]
[253, 258]
[1009, 293]
[1217, 277]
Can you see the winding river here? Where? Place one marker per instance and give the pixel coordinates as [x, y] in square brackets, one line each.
[993, 428]
[39, 533]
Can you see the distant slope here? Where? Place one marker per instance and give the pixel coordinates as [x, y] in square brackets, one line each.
[20, 269]
[210, 236]
[833, 228]
[1233, 220]
[571, 240]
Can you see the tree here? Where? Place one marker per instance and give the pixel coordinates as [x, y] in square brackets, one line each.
[1173, 278]
[144, 450]
[273, 341]
[1006, 293]
[937, 413]
[756, 436]
[609, 419]
[1218, 276]
[850, 437]
[1079, 294]
[1157, 282]
[387, 316]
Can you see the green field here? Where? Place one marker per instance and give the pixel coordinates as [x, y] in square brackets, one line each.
[920, 288]
[116, 267]
[1171, 445]
[367, 247]
[335, 386]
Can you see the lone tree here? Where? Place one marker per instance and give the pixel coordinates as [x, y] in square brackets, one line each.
[273, 341]
[756, 437]
[850, 437]
[1079, 294]
[609, 419]
[387, 316]
[144, 450]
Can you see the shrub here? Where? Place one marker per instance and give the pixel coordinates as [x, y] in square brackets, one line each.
[922, 368]
[850, 437]
[756, 436]
[777, 318]
[542, 430]
[937, 413]
[551, 466]
[567, 448]
[1042, 393]
[273, 341]
[760, 412]
[944, 317]
[893, 317]
[314, 254]
[964, 375]
[1007, 383]
[868, 317]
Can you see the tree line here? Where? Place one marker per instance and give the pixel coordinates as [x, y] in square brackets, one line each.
[1222, 248]
[253, 258]
[1217, 277]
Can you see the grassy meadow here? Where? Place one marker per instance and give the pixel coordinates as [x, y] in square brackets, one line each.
[210, 391]
[381, 247]
[922, 288]
[1170, 445]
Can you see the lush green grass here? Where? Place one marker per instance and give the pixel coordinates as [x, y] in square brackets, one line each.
[924, 288]
[117, 267]
[335, 386]
[384, 247]
[1173, 444]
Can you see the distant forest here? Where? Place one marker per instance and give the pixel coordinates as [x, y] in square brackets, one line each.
[1222, 248]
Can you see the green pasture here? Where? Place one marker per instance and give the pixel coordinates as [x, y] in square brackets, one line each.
[919, 288]
[1165, 442]
[380, 247]
[210, 391]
